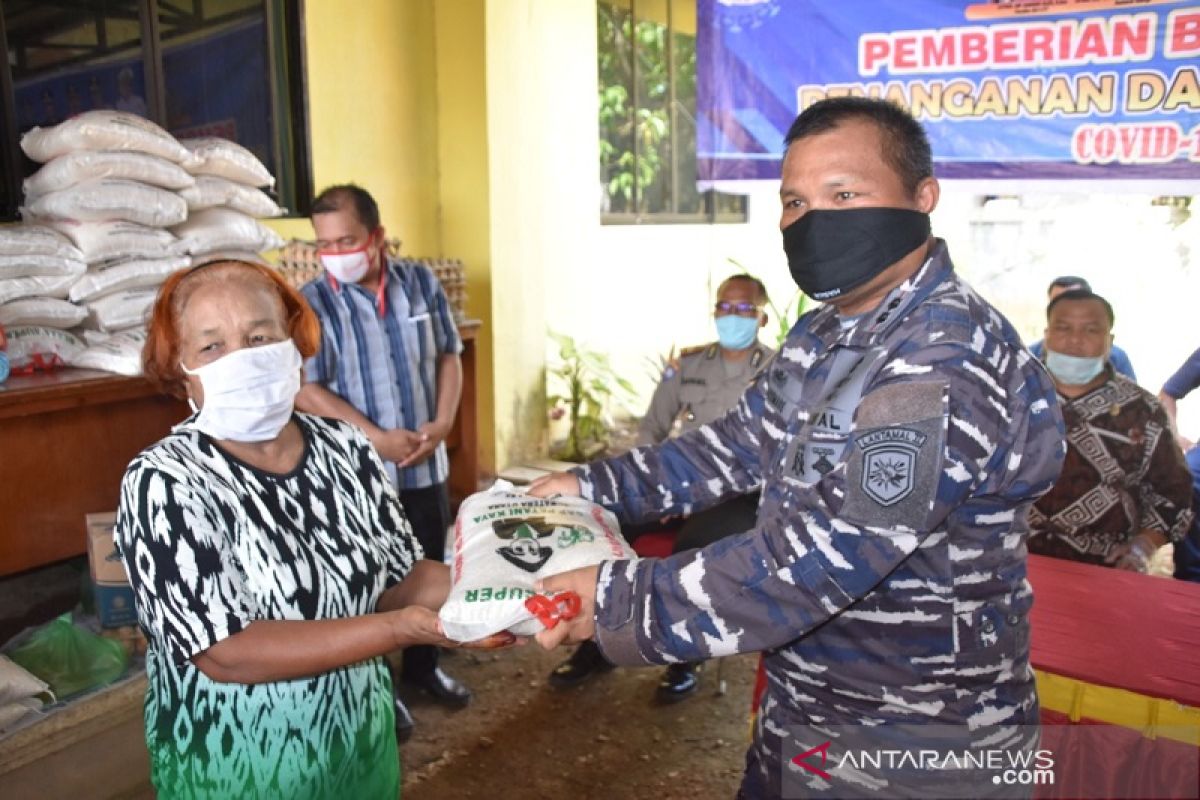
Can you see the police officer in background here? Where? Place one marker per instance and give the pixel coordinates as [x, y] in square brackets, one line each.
[900, 437]
[706, 382]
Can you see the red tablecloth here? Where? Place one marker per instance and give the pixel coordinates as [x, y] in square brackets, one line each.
[1114, 628]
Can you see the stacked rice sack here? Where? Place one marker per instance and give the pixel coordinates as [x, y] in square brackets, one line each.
[225, 202]
[38, 266]
[110, 182]
[122, 190]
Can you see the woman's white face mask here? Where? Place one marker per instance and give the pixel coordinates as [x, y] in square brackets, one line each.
[249, 394]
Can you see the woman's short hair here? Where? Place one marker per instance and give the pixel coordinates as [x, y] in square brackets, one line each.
[160, 354]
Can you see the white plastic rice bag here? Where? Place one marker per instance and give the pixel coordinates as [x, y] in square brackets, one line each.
[504, 541]
[102, 130]
[36, 240]
[105, 241]
[48, 312]
[106, 278]
[112, 199]
[223, 229]
[85, 165]
[40, 348]
[113, 312]
[211, 191]
[120, 353]
[24, 266]
[38, 285]
[212, 155]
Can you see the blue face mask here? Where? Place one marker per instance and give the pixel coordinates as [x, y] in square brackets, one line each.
[1073, 370]
[736, 333]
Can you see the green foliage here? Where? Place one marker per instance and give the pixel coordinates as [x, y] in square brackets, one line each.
[583, 384]
[634, 55]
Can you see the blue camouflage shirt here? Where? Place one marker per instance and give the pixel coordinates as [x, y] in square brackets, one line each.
[885, 579]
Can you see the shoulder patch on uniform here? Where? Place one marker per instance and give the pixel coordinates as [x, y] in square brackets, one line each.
[691, 351]
[895, 463]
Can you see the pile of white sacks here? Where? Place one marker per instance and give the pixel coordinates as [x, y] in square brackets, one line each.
[118, 205]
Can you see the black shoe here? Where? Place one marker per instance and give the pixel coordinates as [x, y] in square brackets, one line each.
[679, 682]
[585, 662]
[404, 722]
[442, 688]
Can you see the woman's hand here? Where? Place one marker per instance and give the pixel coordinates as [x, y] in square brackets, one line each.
[417, 625]
[427, 584]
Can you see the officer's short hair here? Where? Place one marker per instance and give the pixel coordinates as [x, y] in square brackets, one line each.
[760, 291]
[1068, 282]
[905, 146]
[335, 198]
[1082, 294]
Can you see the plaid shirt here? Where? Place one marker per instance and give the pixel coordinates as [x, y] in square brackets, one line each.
[380, 353]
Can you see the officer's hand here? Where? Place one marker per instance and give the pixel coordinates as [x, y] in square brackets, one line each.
[555, 483]
[582, 582]
[429, 435]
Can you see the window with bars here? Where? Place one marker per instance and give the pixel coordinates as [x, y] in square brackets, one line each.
[647, 92]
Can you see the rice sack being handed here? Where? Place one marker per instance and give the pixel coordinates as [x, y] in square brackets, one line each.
[504, 541]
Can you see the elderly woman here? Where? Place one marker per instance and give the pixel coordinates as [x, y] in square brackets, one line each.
[271, 561]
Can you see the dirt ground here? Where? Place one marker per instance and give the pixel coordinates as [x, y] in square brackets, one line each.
[522, 740]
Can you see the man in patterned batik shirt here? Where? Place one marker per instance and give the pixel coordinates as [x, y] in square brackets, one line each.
[1125, 489]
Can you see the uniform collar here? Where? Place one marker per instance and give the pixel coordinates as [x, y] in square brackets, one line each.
[899, 302]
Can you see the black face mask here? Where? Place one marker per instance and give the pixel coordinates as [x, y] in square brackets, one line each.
[831, 252]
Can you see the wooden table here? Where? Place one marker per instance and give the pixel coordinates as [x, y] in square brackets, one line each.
[65, 440]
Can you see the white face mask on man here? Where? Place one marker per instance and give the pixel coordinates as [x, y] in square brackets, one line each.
[249, 394]
[348, 267]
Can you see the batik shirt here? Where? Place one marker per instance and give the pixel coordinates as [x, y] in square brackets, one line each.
[1124, 473]
[211, 545]
[885, 580]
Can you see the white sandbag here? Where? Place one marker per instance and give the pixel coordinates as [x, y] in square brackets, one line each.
[223, 229]
[119, 353]
[121, 309]
[102, 130]
[86, 165]
[36, 240]
[504, 541]
[106, 278]
[105, 241]
[112, 199]
[211, 191]
[23, 266]
[40, 347]
[37, 286]
[48, 312]
[211, 155]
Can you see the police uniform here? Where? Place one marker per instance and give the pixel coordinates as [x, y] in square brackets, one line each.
[898, 453]
[700, 388]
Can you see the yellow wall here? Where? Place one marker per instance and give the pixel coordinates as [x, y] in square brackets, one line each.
[543, 157]
[463, 180]
[373, 111]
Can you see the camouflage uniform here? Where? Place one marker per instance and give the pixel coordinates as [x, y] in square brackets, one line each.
[885, 580]
[701, 388]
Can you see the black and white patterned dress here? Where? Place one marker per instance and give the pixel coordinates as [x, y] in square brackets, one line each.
[212, 544]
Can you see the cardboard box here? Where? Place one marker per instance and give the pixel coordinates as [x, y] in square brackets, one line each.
[110, 584]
